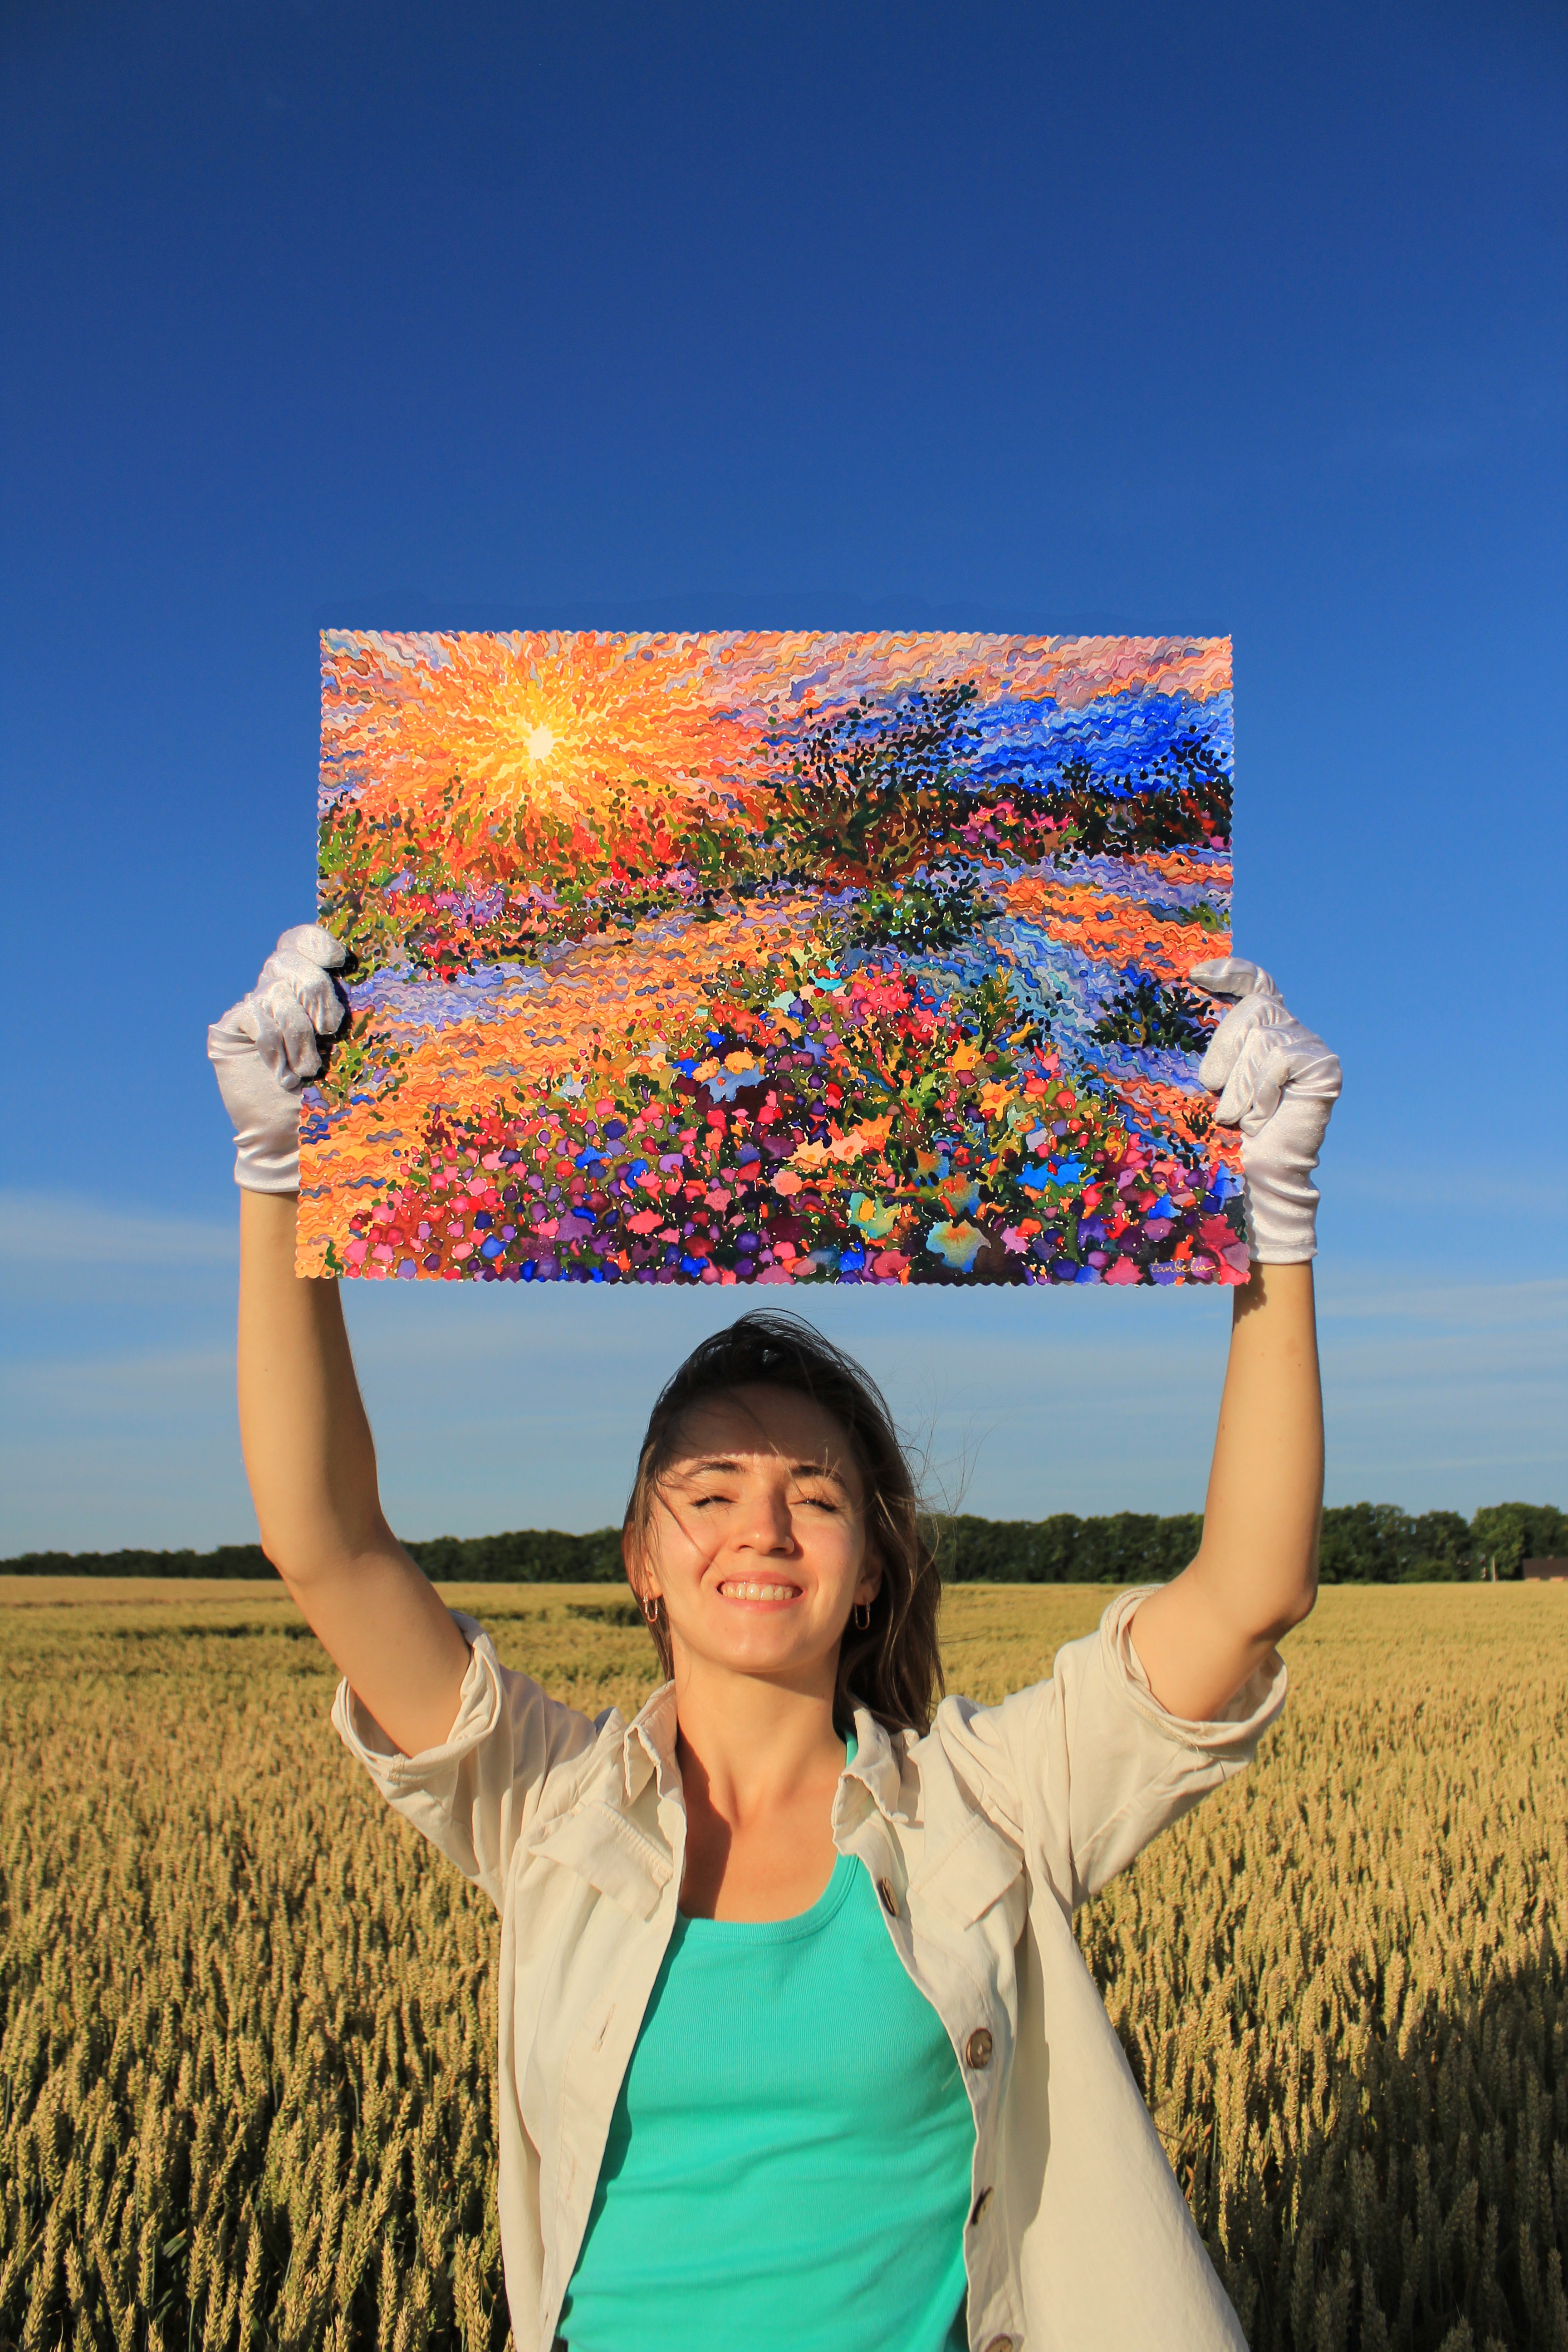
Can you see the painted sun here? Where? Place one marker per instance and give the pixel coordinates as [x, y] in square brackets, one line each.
[534, 725]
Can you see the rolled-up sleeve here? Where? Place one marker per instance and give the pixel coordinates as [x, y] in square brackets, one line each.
[1084, 1769]
[472, 1795]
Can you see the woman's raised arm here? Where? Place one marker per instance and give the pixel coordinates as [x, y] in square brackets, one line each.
[1203, 1635]
[308, 1453]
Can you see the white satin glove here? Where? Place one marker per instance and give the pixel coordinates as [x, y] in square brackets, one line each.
[264, 1049]
[1278, 1082]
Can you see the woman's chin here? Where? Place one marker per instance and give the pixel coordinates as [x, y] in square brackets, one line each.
[759, 1639]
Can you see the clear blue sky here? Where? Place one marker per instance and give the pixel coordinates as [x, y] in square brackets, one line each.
[1227, 319]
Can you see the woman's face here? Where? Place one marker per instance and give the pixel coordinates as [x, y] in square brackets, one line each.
[757, 1544]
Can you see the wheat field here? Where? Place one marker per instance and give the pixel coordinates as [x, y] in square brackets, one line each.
[247, 2070]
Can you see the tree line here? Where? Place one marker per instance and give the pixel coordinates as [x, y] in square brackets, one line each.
[1362, 1543]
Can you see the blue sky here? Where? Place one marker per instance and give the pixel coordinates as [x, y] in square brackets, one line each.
[1232, 320]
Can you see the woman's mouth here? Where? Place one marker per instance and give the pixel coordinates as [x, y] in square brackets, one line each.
[757, 1589]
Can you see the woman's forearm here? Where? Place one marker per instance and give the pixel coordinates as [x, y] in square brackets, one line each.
[308, 1448]
[311, 1465]
[1255, 1575]
[1259, 1553]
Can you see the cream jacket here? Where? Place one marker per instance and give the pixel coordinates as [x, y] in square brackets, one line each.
[982, 1838]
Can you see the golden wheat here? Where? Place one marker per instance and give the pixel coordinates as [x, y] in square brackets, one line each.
[247, 2072]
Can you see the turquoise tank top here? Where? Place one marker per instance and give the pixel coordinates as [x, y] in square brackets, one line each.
[789, 2161]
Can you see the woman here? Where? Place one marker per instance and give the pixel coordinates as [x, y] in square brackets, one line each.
[797, 2047]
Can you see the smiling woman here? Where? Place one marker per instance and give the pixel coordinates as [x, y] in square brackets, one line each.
[797, 2047]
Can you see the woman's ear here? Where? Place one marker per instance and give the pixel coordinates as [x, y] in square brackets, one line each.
[635, 1564]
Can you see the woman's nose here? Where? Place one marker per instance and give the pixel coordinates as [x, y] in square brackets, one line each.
[766, 1524]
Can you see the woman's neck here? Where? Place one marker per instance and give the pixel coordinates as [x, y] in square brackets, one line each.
[758, 1765]
[754, 1744]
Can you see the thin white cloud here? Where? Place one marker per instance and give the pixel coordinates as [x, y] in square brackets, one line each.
[1413, 1295]
[43, 1228]
[1434, 1186]
[127, 1389]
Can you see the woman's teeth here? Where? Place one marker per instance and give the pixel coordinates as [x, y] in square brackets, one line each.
[750, 1591]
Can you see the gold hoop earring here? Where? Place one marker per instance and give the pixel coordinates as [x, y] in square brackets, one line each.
[862, 1616]
[650, 1609]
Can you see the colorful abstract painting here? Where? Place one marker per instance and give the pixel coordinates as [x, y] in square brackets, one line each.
[770, 958]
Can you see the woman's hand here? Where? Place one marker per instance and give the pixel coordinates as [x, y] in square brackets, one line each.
[1278, 1082]
[265, 1048]
[1205, 1633]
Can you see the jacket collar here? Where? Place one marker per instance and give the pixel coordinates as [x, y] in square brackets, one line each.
[648, 1753]
[876, 1766]
[648, 1745]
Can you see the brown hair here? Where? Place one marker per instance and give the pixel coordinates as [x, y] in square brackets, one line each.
[893, 1668]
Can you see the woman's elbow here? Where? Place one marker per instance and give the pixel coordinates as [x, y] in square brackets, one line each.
[1294, 1606]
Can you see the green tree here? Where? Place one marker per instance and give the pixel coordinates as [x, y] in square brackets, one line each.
[1363, 1543]
[1440, 1549]
[1515, 1532]
[1136, 1548]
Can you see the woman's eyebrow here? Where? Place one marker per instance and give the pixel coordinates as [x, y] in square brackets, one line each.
[728, 1463]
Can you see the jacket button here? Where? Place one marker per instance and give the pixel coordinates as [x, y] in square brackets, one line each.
[890, 1900]
[1000, 2343]
[981, 2202]
[977, 2052]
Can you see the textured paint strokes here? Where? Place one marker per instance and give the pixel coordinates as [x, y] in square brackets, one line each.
[770, 958]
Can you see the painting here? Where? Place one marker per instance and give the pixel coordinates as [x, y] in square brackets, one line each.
[770, 958]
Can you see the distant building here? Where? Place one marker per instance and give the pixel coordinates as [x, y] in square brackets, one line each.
[1546, 1571]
